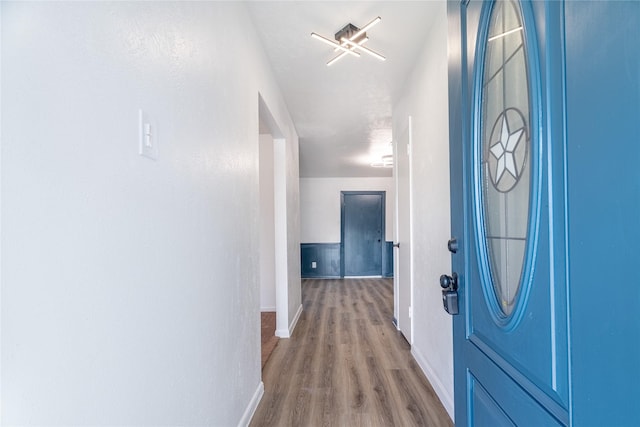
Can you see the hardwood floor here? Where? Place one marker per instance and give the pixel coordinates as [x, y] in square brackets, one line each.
[268, 338]
[346, 365]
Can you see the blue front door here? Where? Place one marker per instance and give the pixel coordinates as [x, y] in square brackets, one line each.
[544, 150]
[510, 336]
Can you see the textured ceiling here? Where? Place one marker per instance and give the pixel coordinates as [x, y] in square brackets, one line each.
[342, 113]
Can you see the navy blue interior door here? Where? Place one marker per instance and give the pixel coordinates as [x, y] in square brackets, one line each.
[362, 232]
[511, 362]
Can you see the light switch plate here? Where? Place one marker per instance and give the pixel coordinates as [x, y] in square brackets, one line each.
[147, 136]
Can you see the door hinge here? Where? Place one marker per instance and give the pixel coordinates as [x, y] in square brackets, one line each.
[410, 312]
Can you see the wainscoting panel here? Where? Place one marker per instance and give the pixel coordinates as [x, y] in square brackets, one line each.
[326, 257]
[327, 260]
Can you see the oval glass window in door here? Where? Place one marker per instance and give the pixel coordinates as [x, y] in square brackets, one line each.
[505, 152]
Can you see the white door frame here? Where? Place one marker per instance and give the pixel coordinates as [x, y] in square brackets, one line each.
[402, 312]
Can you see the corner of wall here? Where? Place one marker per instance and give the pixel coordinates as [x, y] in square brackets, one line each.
[286, 333]
[438, 386]
[253, 405]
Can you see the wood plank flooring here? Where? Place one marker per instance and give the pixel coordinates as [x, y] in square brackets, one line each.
[268, 338]
[346, 365]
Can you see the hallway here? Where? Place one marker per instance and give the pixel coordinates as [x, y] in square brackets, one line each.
[346, 365]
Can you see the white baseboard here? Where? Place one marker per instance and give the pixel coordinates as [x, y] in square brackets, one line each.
[445, 396]
[294, 322]
[253, 405]
[267, 309]
[286, 333]
[282, 333]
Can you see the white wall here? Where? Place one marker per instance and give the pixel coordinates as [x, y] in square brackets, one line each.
[320, 205]
[130, 288]
[426, 100]
[267, 226]
[287, 224]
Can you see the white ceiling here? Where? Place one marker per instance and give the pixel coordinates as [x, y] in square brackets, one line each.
[342, 113]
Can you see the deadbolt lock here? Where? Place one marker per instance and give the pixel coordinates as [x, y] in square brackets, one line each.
[449, 286]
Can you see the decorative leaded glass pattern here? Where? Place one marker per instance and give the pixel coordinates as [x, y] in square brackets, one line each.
[505, 144]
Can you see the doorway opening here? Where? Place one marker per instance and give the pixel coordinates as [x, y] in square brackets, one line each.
[273, 292]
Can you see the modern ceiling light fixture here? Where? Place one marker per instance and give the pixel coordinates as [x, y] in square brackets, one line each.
[350, 40]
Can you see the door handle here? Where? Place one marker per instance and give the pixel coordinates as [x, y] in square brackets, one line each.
[396, 245]
[449, 286]
[452, 245]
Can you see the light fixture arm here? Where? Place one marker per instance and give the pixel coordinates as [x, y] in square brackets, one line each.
[343, 54]
[334, 44]
[365, 28]
[364, 49]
